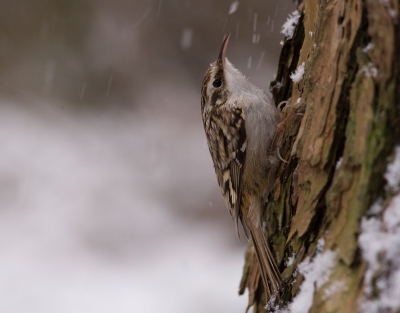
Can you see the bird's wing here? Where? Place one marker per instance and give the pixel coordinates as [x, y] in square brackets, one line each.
[232, 139]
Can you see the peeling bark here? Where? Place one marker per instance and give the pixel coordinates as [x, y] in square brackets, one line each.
[339, 149]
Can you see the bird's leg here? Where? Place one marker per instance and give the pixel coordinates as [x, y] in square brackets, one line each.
[286, 117]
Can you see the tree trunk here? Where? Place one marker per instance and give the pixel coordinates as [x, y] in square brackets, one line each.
[338, 152]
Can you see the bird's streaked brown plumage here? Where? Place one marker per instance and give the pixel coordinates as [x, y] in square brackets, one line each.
[239, 122]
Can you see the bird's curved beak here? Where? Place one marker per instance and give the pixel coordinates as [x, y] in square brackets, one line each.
[222, 52]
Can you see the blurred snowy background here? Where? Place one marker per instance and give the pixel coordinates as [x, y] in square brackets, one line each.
[108, 199]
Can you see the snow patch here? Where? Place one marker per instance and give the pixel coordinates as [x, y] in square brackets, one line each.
[368, 47]
[391, 217]
[297, 76]
[320, 245]
[290, 24]
[392, 174]
[273, 308]
[370, 70]
[316, 273]
[380, 246]
[376, 207]
[290, 259]
[391, 10]
[339, 163]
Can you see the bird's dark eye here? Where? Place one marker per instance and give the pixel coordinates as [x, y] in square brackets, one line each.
[217, 83]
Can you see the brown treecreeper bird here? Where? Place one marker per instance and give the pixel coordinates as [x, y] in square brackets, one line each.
[240, 121]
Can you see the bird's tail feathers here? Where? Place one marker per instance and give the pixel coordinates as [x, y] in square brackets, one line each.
[269, 269]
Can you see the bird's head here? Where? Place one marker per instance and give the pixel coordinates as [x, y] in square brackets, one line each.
[221, 81]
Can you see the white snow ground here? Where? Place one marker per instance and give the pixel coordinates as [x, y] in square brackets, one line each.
[108, 213]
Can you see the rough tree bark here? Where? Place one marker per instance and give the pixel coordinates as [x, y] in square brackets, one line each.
[339, 149]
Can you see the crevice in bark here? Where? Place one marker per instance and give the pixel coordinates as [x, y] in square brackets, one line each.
[281, 87]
